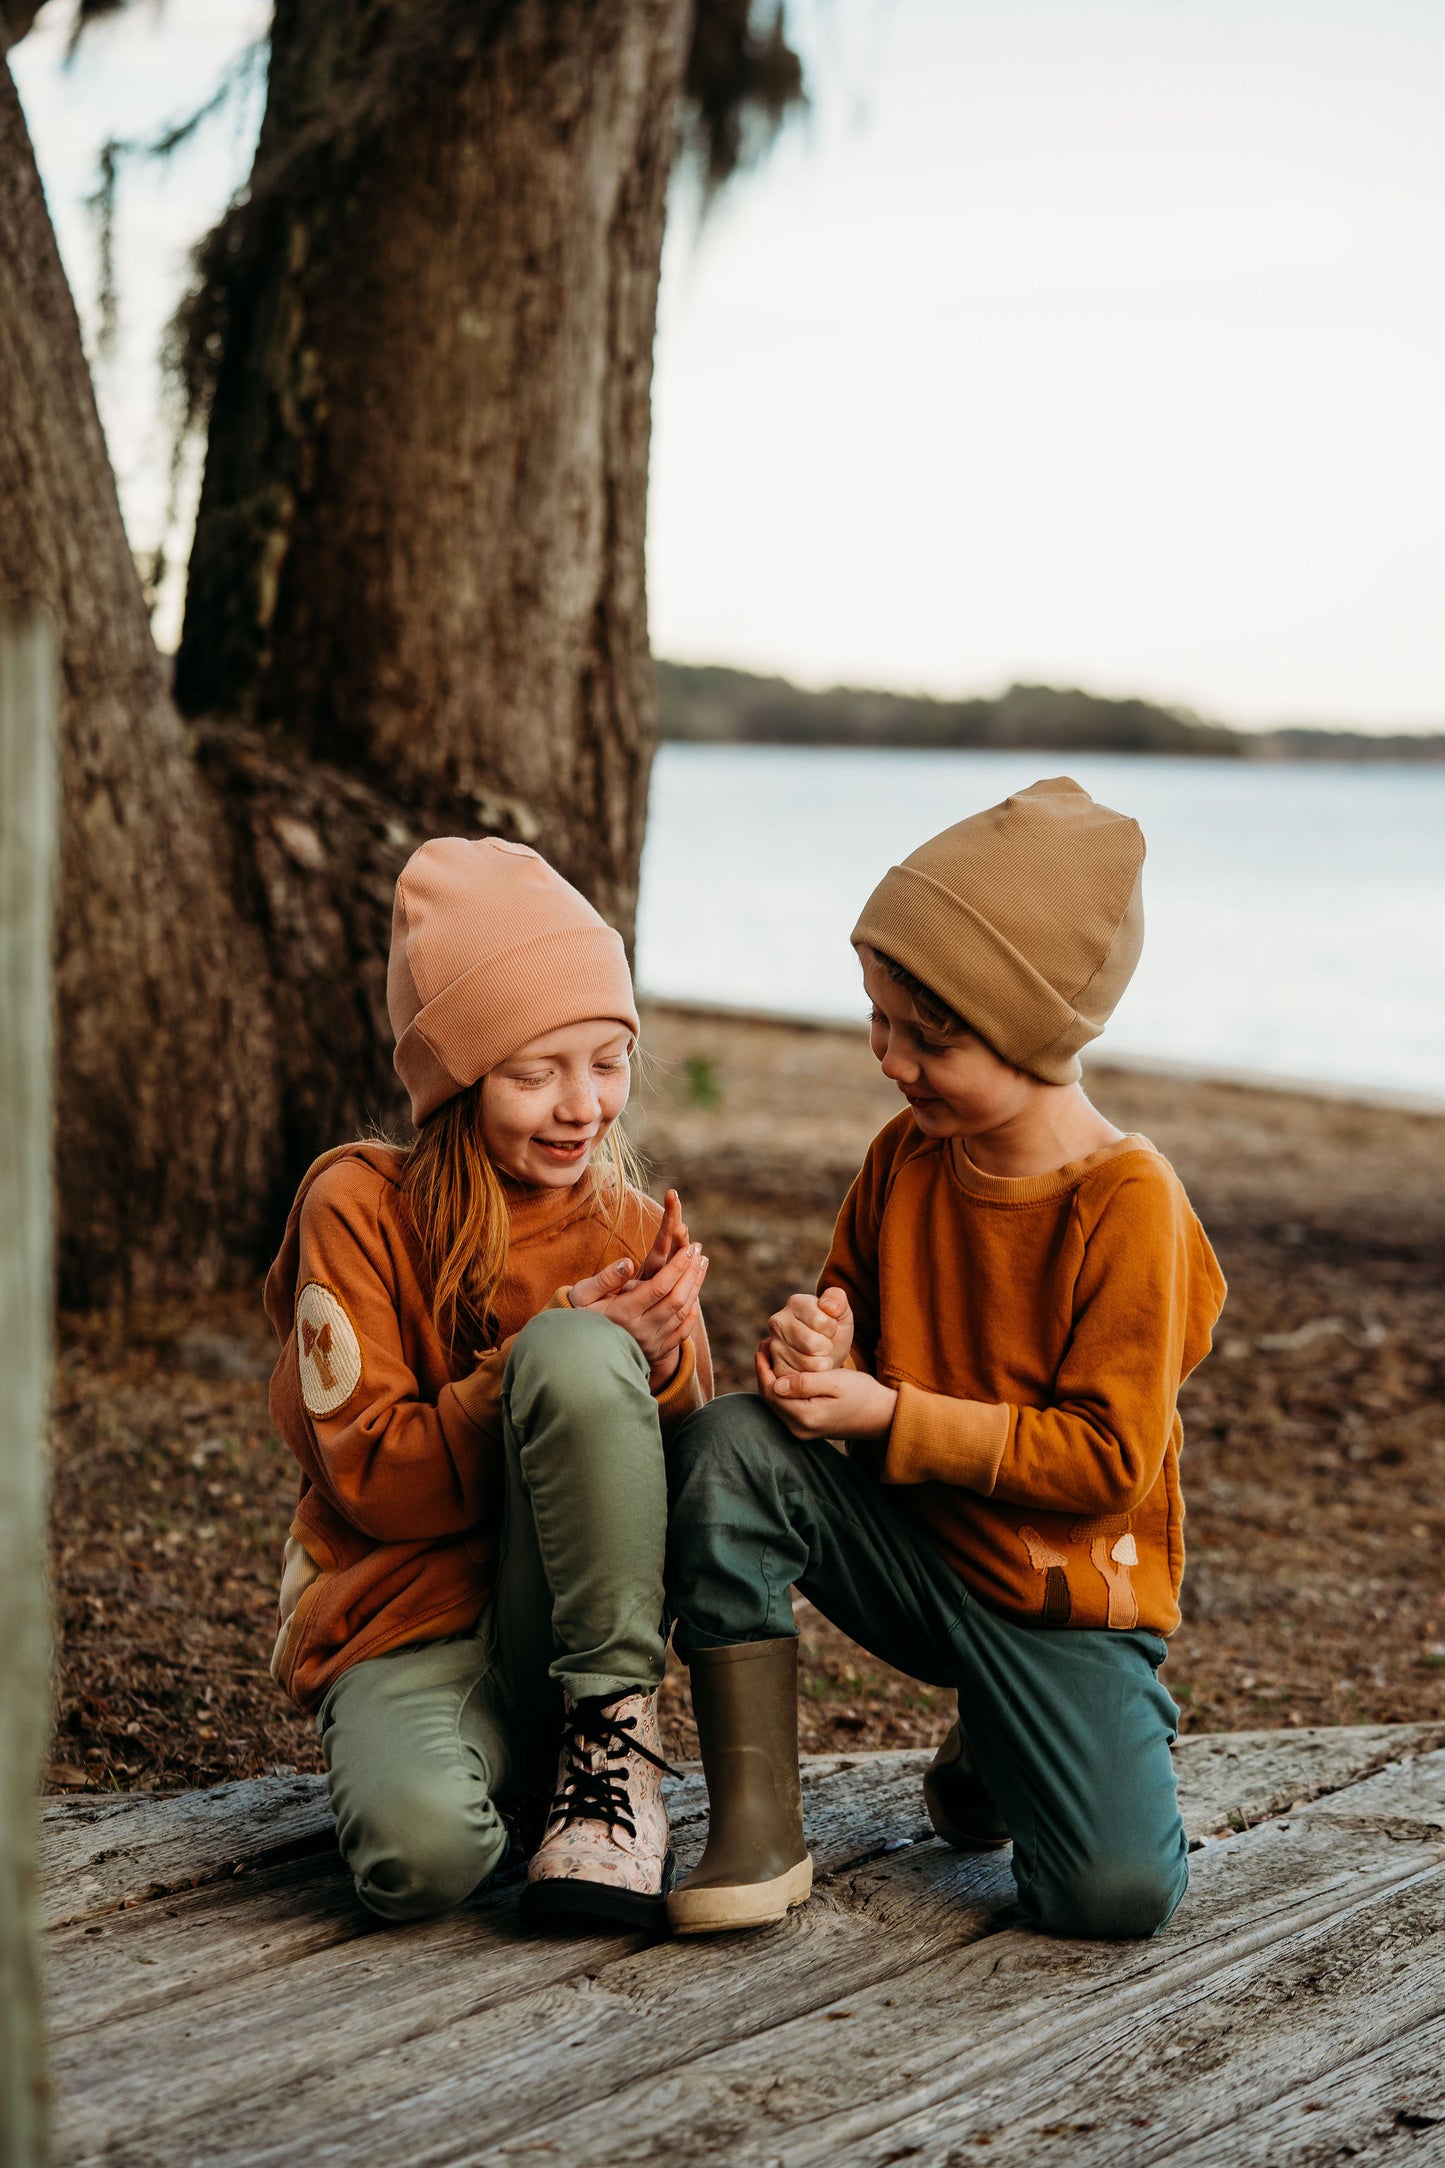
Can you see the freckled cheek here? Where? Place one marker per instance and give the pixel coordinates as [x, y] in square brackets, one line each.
[612, 1096]
[508, 1121]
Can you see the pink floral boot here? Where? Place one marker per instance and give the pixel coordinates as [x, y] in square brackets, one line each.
[605, 1854]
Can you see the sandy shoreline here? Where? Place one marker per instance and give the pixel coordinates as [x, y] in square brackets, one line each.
[1314, 1462]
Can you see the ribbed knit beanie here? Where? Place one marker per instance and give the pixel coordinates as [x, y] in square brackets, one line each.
[1027, 920]
[490, 947]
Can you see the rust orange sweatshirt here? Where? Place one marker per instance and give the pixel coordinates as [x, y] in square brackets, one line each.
[1037, 1331]
[395, 1529]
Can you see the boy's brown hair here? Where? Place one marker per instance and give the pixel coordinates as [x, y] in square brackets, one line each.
[928, 1007]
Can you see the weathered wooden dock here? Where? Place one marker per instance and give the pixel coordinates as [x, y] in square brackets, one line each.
[217, 1996]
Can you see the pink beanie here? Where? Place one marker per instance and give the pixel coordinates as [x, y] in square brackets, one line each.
[490, 947]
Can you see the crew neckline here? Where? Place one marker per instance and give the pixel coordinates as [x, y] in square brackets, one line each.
[537, 1208]
[1035, 1188]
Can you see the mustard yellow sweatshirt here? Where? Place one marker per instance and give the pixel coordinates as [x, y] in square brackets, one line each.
[1037, 1331]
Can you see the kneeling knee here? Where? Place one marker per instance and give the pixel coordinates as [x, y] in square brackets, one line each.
[1107, 1900]
[731, 1440]
[423, 1861]
[561, 1351]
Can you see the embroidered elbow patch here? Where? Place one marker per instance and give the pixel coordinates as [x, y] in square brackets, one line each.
[327, 1350]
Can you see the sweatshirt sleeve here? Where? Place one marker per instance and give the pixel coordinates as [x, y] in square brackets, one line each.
[691, 1382]
[852, 1261]
[400, 1468]
[1146, 1297]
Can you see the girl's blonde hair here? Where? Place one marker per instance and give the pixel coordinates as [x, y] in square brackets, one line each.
[458, 1206]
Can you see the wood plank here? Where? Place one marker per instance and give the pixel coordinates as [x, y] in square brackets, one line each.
[1194, 2058]
[232, 1930]
[1234, 1778]
[101, 1853]
[823, 2086]
[123, 1848]
[713, 2036]
[1370, 2109]
[98, 1854]
[209, 2038]
[257, 1890]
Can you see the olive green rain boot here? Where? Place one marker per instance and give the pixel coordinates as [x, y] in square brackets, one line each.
[756, 1866]
[957, 1799]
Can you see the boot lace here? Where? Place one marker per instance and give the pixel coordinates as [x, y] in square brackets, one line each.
[590, 1793]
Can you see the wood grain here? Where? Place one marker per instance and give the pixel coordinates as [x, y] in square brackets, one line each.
[903, 2008]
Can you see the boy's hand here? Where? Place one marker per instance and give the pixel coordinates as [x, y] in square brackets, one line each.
[657, 1302]
[811, 1332]
[827, 1403]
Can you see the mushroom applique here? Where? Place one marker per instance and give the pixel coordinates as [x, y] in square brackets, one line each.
[1114, 1552]
[1052, 1564]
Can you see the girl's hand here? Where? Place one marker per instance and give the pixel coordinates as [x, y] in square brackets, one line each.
[671, 1236]
[659, 1310]
[827, 1403]
[811, 1332]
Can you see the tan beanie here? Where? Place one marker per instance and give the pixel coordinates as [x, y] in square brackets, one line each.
[1027, 920]
[490, 947]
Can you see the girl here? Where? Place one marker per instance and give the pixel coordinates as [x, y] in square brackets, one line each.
[485, 1335]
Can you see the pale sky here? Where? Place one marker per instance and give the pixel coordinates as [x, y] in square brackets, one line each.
[1088, 341]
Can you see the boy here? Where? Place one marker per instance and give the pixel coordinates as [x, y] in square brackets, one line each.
[1014, 1294]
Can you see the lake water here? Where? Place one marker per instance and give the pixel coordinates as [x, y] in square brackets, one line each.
[1296, 914]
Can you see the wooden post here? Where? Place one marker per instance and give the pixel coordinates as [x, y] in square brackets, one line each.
[27, 878]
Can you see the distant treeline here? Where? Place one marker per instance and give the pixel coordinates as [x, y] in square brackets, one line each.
[706, 704]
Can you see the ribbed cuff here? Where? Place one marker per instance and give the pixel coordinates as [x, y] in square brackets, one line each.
[681, 1393]
[479, 1393]
[936, 1439]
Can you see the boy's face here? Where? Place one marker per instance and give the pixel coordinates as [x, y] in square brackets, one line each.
[955, 1083]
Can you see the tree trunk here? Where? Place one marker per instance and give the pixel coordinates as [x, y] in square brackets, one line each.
[417, 598]
[224, 909]
[27, 868]
[165, 1100]
[419, 552]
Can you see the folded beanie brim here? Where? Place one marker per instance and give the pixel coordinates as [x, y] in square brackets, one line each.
[554, 979]
[956, 952]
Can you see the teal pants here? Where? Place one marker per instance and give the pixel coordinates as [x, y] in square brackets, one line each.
[1071, 1729]
[424, 1744]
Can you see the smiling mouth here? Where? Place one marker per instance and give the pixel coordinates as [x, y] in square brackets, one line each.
[562, 1147]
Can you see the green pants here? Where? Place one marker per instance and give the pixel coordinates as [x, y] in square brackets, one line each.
[421, 1745]
[1071, 1729]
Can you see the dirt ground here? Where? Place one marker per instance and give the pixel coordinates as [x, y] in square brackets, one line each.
[1315, 1435]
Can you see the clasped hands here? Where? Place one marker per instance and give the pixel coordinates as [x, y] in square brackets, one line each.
[656, 1301]
[802, 1375]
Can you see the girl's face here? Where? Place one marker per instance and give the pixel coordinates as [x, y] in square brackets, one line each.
[547, 1107]
[955, 1083]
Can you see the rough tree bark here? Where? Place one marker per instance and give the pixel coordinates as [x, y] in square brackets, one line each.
[418, 599]
[417, 594]
[419, 553]
[164, 1033]
[224, 908]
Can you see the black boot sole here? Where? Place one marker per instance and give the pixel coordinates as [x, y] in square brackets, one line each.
[564, 1904]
